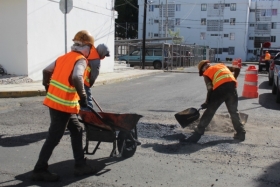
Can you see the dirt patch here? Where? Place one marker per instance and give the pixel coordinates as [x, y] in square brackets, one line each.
[220, 123]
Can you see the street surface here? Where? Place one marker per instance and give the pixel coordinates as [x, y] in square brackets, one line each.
[215, 161]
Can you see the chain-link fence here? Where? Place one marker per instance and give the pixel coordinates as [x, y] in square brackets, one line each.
[162, 55]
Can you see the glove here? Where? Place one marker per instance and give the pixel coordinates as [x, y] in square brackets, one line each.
[83, 102]
[204, 106]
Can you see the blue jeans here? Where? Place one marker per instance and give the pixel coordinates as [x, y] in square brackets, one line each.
[59, 122]
[89, 98]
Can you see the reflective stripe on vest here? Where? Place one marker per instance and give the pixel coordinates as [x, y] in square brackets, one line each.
[61, 95]
[92, 56]
[219, 74]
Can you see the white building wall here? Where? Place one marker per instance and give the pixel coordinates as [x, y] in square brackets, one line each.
[13, 36]
[40, 31]
[190, 26]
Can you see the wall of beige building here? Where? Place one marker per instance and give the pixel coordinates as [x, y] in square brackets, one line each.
[33, 32]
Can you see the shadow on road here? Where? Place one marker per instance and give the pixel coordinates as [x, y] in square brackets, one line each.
[65, 169]
[188, 148]
[264, 85]
[270, 176]
[23, 140]
[267, 100]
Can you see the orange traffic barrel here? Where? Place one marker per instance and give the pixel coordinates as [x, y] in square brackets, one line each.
[237, 63]
[250, 89]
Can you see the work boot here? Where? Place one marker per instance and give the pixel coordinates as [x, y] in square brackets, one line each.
[83, 169]
[239, 136]
[44, 175]
[194, 138]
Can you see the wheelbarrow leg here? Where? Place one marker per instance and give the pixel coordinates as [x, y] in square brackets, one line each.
[95, 149]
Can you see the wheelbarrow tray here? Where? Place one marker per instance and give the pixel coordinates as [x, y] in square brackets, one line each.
[116, 121]
[186, 117]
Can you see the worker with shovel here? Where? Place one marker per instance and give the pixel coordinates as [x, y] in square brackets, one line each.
[64, 83]
[221, 85]
[92, 70]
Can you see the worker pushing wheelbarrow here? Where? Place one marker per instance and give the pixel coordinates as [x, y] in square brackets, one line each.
[120, 129]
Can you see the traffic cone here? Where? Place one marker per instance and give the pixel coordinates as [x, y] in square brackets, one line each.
[250, 89]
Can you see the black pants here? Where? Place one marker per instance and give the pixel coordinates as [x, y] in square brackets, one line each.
[224, 93]
[59, 122]
[267, 64]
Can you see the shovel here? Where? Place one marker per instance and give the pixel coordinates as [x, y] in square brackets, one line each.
[186, 117]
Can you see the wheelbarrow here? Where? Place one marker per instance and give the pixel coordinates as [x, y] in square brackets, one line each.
[120, 129]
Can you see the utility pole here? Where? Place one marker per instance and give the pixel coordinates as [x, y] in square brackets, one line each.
[166, 23]
[144, 35]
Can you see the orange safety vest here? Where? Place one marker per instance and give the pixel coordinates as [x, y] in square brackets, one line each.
[61, 94]
[219, 74]
[267, 56]
[92, 56]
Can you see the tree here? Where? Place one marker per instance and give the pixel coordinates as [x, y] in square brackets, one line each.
[127, 21]
[179, 39]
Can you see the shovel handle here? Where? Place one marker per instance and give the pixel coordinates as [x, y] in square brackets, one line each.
[97, 104]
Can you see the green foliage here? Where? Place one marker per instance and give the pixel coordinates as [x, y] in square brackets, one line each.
[127, 19]
[177, 35]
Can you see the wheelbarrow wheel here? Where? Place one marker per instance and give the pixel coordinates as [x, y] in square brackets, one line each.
[126, 146]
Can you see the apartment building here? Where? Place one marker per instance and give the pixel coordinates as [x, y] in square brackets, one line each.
[234, 29]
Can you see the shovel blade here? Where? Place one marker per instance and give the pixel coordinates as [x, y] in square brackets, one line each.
[186, 117]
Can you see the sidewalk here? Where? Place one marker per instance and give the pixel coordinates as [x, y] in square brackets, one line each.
[36, 88]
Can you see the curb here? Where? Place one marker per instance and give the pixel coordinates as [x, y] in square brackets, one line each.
[17, 94]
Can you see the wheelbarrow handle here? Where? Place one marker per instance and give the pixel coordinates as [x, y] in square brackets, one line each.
[98, 115]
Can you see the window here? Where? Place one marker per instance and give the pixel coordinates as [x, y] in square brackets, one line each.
[266, 12]
[250, 51]
[273, 25]
[226, 20]
[232, 21]
[231, 50]
[177, 21]
[215, 35]
[156, 21]
[178, 7]
[155, 35]
[274, 12]
[156, 6]
[215, 25]
[203, 21]
[252, 25]
[231, 36]
[157, 52]
[252, 10]
[225, 35]
[216, 6]
[225, 50]
[273, 38]
[251, 38]
[233, 6]
[151, 8]
[262, 26]
[135, 53]
[227, 5]
[203, 7]
[202, 35]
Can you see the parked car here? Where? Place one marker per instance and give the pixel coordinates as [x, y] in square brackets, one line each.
[276, 79]
[271, 69]
[153, 57]
[262, 62]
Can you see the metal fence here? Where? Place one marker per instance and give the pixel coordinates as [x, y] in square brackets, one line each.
[174, 55]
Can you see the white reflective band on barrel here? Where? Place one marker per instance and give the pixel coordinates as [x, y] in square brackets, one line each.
[251, 83]
[251, 72]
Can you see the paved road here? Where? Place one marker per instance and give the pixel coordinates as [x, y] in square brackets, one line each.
[217, 160]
